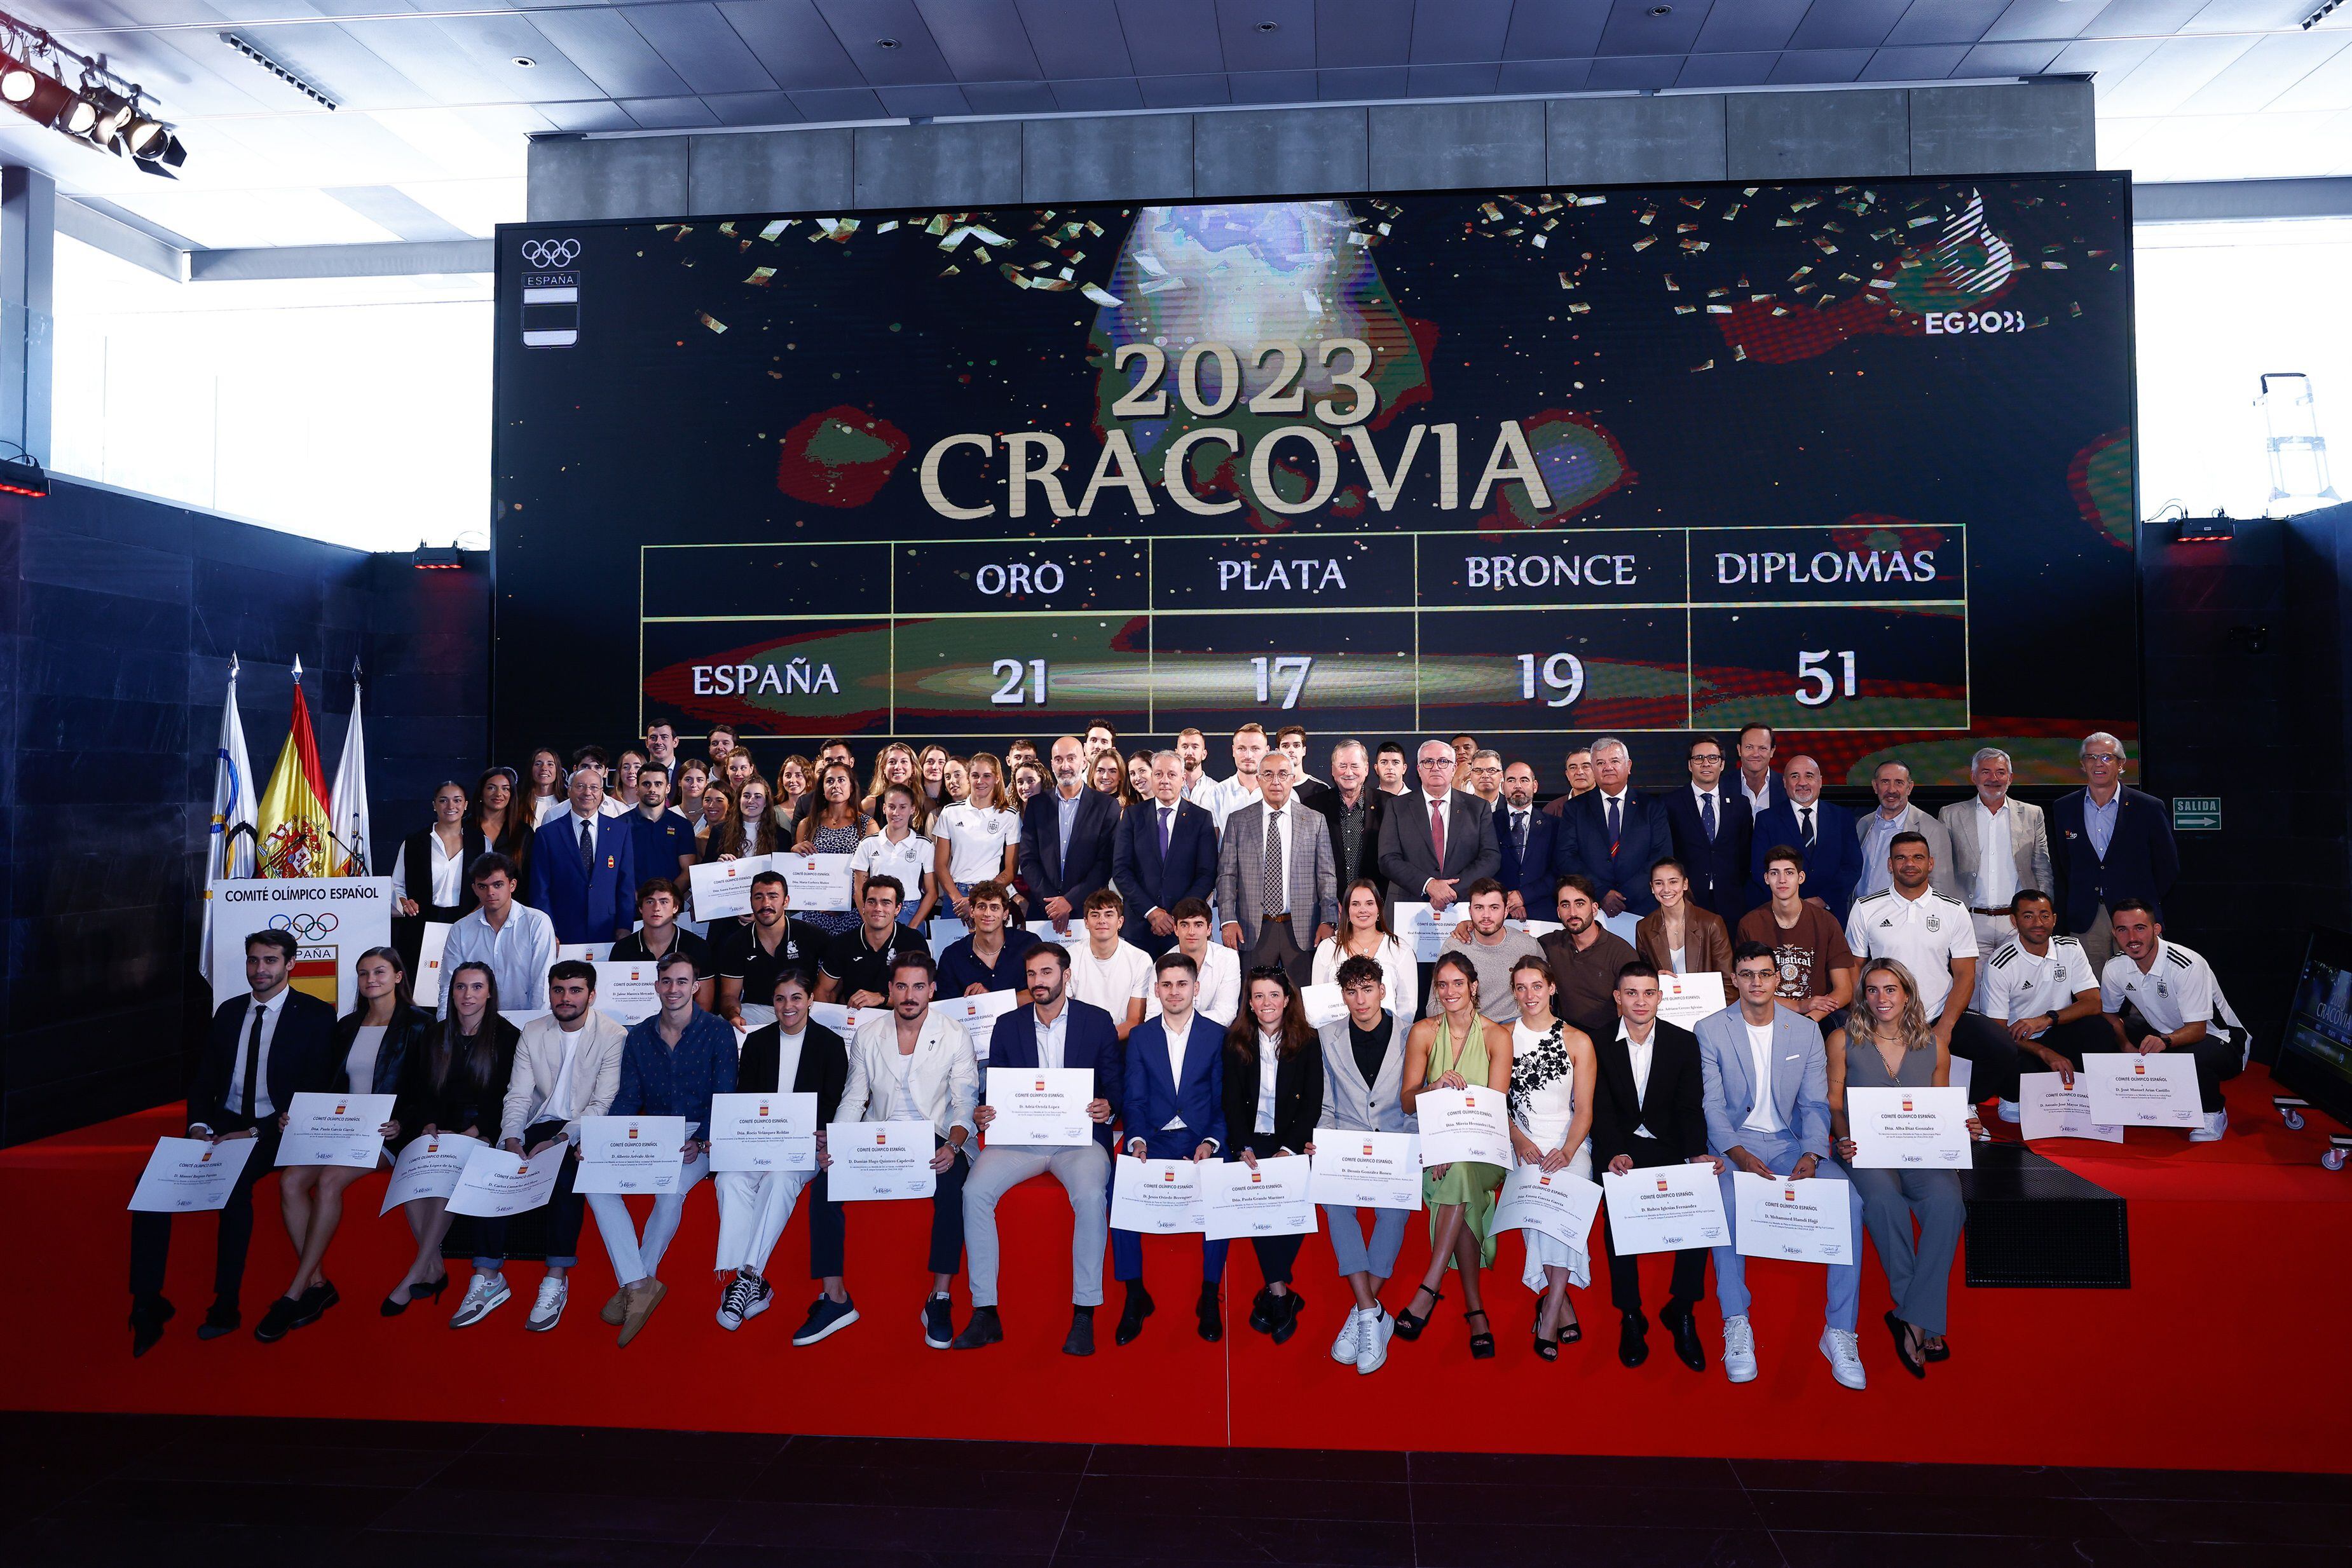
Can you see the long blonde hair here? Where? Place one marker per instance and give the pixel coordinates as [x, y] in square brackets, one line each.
[1911, 1021]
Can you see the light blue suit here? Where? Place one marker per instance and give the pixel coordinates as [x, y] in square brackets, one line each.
[1801, 1097]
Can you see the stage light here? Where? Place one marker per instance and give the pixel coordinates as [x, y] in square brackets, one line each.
[79, 116]
[2204, 530]
[21, 475]
[438, 558]
[17, 81]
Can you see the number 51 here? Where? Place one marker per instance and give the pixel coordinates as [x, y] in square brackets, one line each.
[1816, 686]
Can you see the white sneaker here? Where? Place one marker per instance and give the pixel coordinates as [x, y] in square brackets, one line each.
[486, 1294]
[2210, 1132]
[548, 1310]
[1374, 1350]
[2011, 1113]
[1350, 1343]
[1739, 1350]
[1844, 1353]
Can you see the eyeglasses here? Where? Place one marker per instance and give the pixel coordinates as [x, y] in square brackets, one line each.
[2101, 757]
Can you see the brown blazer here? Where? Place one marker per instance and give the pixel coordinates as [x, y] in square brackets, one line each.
[1707, 941]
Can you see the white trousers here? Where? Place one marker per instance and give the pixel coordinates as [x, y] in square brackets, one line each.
[754, 1206]
[635, 1258]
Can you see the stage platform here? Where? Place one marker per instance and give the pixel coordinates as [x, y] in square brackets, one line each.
[2225, 1354]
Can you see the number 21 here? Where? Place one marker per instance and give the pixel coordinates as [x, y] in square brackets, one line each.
[1010, 672]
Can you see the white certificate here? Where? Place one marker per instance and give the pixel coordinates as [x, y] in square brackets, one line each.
[946, 931]
[1463, 1124]
[1272, 1200]
[497, 1185]
[1367, 1170]
[1664, 1209]
[188, 1176]
[335, 1130]
[1908, 1129]
[1626, 925]
[1156, 1198]
[1684, 999]
[1805, 1222]
[843, 1020]
[1324, 1004]
[428, 1167]
[634, 1154]
[722, 888]
[2128, 1090]
[583, 952]
[1539, 929]
[978, 1015]
[1558, 1203]
[1040, 1107]
[880, 1159]
[1421, 932]
[625, 991]
[2048, 1109]
[428, 964]
[817, 881]
[763, 1132]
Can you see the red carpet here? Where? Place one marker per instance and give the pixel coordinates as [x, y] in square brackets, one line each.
[2227, 1352]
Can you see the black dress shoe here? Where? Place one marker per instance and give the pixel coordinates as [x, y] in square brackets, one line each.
[284, 1314]
[148, 1317]
[1130, 1317]
[1080, 1340]
[1286, 1307]
[984, 1329]
[1687, 1347]
[221, 1319]
[1211, 1316]
[1632, 1339]
[1265, 1311]
[315, 1301]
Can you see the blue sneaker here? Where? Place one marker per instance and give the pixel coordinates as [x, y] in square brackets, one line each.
[826, 1317]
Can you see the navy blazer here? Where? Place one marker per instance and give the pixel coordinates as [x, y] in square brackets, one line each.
[1833, 866]
[1530, 876]
[1148, 1098]
[597, 906]
[1718, 869]
[1089, 1038]
[1644, 839]
[1148, 882]
[2141, 862]
[301, 1056]
[1093, 848]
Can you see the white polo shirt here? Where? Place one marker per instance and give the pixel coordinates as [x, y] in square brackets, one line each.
[2175, 990]
[976, 841]
[2014, 983]
[1923, 933]
[908, 860]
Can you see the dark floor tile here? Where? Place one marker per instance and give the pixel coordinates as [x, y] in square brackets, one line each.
[291, 1464]
[229, 1502]
[1837, 1549]
[1958, 1480]
[1285, 1464]
[319, 1431]
[1249, 1497]
[142, 1543]
[932, 1454]
[1459, 1503]
[733, 1556]
[1446, 1546]
[2230, 1555]
[2251, 1486]
[1915, 1513]
[1190, 1538]
[826, 1528]
[1573, 1471]
[605, 1472]
[600, 1443]
[884, 1486]
[525, 1514]
[2210, 1520]
[415, 1549]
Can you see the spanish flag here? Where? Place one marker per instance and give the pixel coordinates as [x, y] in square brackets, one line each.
[294, 816]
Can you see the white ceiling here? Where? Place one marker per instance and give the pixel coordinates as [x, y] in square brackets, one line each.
[430, 140]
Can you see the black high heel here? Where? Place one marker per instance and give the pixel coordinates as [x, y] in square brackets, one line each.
[1408, 1326]
[1482, 1346]
[1547, 1345]
[393, 1306]
[1572, 1332]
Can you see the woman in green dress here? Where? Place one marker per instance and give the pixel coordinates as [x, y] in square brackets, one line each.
[1456, 1050]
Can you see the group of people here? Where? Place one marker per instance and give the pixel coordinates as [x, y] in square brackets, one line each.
[1163, 944]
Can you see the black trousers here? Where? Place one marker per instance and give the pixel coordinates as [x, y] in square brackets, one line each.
[1689, 1282]
[946, 1216]
[1277, 1255]
[2220, 1056]
[565, 1208]
[1993, 1057]
[2071, 1039]
[828, 1232]
[151, 1234]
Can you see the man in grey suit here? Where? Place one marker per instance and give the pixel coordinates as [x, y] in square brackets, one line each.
[1419, 867]
[1979, 828]
[1275, 877]
[1895, 814]
[1767, 1098]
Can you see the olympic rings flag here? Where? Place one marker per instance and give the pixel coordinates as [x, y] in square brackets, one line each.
[231, 851]
[332, 921]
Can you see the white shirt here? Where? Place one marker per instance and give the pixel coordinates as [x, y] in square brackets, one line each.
[358, 1066]
[788, 1058]
[1640, 1053]
[272, 1012]
[1220, 997]
[1924, 933]
[1758, 799]
[1700, 795]
[1623, 801]
[1764, 1116]
[448, 870]
[558, 1102]
[908, 860]
[1397, 967]
[1110, 983]
[1176, 1044]
[1052, 1035]
[1996, 865]
[546, 806]
[1288, 819]
[1222, 797]
[1268, 1065]
[977, 839]
[2175, 990]
[2014, 983]
[1878, 830]
[518, 953]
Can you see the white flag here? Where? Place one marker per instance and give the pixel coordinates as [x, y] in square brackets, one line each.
[347, 799]
[229, 850]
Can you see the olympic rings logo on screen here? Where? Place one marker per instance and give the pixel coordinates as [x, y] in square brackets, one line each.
[551, 252]
[306, 926]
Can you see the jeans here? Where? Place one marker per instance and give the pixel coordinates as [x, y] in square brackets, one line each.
[1780, 1152]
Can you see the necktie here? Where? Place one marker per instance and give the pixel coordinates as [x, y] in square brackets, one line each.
[252, 1062]
[587, 846]
[1165, 812]
[1805, 825]
[1277, 901]
[1520, 832]
[1706, 813]
[1437, 831]
[1616, 826]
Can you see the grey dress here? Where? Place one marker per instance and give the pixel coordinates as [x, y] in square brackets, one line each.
[1918, 1274]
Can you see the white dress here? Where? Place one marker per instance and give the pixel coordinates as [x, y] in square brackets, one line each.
[1543, 1102]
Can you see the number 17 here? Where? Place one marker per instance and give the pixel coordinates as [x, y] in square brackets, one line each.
[1294, 665]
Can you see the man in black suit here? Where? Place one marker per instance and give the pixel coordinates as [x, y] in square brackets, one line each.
[1166, 851]
[1068, 840]
[263, 1048]
[1418, 868]
[1351, 809]
[1710, 839]
[1614, 834]
[1524, 837]
[1649, 1112]
[794, 1055]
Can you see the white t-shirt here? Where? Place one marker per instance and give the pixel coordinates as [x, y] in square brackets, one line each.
[2014, 983]
[1923, 933]
[1109, 983]
[909, 859]
[2176, 989]
[1764, 1116]
[976, 839]
[359, 1067]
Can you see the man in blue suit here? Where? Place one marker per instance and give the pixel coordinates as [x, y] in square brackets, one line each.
[2109, 843]
[1166, 853]
[1711, 836]
[1173, 1108]
[584, 867]
[1051, 1030]
[1526, 838]
[1068, 837]
[1612, 835]
[1822, 829]
[1767, 1098]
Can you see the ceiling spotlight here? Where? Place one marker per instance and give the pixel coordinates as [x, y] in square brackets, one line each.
[107, 110]
[251, 52]
[886, 42]
[78, 117]
[525, 61]
[1269, 26]
[1662, 10]
[144, 137]
[17, 81]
